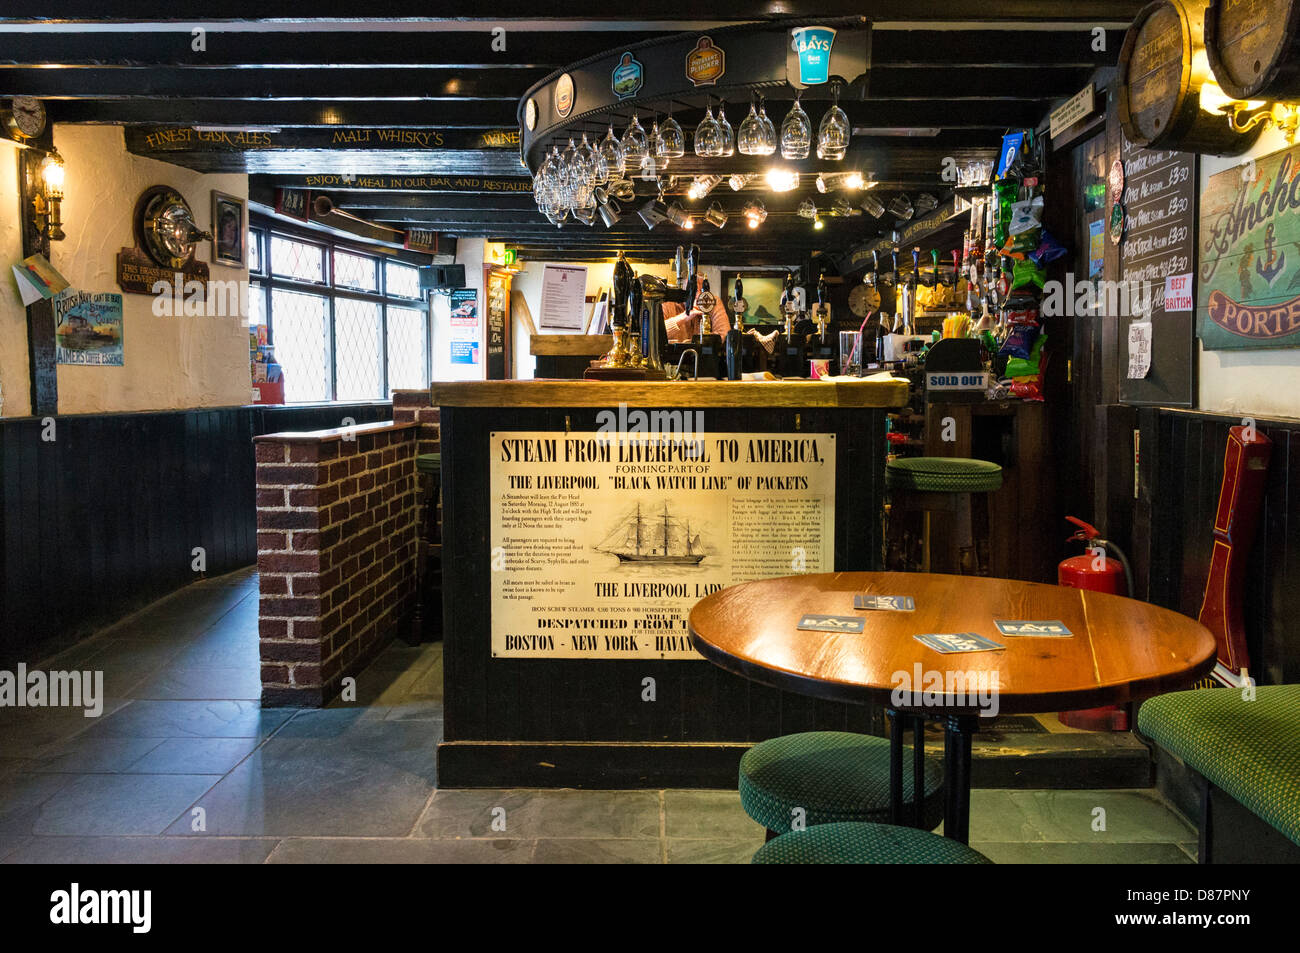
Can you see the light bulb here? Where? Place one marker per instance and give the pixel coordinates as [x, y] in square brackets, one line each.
[782, 180]
[52, 172]
[852, 180]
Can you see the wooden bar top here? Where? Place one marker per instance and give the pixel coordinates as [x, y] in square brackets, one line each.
[569, 345]
[693, 394]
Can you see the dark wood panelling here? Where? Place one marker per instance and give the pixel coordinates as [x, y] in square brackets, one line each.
[104, 518]
[1181, 473]
[489, 701]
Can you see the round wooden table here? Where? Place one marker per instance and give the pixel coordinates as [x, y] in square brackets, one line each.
[1121, 650]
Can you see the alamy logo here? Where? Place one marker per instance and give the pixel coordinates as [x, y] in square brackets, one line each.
[37, 689]
[685, 426]
[950, 689]
[77, 906]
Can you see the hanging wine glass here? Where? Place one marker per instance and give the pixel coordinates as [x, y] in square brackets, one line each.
[635, 145]
[833, 132]
[796, 132]
[611, 151]
[586, 158]
[769, 129]
[571, 173]
[728, 143]
[674, 140]
[749, 137]
[708, 135]
[656, 149]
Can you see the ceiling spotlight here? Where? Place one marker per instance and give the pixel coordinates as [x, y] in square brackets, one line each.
[755, 214]
[782, 180]
[853, 181]
[818, 223]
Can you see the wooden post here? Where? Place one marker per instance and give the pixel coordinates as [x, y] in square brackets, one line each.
[41, 355]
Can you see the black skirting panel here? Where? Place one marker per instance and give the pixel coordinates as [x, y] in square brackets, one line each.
[104, 518]
[559, 722]
[1181, 474]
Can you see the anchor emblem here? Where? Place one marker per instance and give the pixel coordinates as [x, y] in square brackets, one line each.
[1274, 262]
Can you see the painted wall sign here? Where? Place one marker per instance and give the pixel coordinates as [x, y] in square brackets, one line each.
[427, 183]
[1249, 261]
[563, 100]
[706, 63]
[603, 541]
[627, 78]
[813, 46]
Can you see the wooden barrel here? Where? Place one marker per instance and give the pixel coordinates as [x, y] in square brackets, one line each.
[1162, 67]
[1254, 47]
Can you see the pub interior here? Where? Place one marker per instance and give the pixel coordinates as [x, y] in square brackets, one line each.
[812, 433]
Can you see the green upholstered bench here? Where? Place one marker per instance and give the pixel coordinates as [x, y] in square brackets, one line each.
[860, 843]
[1248, 750]
[834, 776]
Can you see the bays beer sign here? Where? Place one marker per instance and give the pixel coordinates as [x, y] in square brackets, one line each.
[1249, 261]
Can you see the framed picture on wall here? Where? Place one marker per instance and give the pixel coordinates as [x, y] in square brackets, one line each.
[229, 230]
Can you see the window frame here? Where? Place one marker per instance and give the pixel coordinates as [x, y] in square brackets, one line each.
[262, 229]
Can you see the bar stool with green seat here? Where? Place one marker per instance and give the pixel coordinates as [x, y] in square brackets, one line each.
[428, 599]
[831, 776]
[861, 843]
[935, 484]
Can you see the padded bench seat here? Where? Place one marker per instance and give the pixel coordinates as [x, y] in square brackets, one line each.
[1250, 750]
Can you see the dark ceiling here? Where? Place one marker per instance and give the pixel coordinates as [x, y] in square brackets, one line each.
[407, 117]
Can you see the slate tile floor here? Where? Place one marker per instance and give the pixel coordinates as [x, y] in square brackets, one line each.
[182, 730]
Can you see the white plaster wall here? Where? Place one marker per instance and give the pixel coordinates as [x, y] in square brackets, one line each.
[170, 362]
[1262, 382]
[600, 274]
[469, 252]
[15, 387]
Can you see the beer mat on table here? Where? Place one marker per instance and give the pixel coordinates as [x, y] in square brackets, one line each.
[949, 642]
[892, 603]
[1046, 628]
[832, 623]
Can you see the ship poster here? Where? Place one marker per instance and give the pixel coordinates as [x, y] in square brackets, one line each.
[88, 328]
[602, 542]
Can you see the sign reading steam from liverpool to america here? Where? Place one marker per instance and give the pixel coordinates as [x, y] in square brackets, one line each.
[602, 542]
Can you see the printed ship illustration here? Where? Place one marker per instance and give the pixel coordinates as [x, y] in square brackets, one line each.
[659, 540]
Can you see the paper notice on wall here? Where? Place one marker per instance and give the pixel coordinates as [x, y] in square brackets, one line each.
[37, 278]
[564, 298]
[1178, 293]
[602, 542]
[1139, 349]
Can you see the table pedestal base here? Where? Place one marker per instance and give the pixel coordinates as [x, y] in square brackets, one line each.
[957, 732]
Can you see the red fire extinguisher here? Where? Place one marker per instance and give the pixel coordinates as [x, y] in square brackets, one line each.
[1096, 571]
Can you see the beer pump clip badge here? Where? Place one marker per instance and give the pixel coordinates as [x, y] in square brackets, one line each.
[628, 77]
[813, 45]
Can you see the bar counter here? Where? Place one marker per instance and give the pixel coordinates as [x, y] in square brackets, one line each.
[554, 709]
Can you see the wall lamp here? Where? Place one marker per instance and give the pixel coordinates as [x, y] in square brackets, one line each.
[45, 184]
[1245, 115]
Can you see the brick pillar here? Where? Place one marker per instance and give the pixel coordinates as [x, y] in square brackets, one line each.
[336, 542]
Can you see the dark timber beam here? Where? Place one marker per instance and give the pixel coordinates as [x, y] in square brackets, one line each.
[1083, 11]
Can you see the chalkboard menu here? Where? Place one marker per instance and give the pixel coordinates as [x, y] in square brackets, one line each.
[1158, 251]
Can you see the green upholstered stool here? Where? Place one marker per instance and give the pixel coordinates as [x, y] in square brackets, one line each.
[937, 484]
[834, 776]
[862, 843]
[1250, 750]
[427, 624]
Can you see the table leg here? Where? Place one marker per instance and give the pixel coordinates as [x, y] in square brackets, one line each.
[956, 755]
[895, 766]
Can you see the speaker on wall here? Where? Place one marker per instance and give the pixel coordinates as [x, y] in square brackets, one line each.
[442, 277]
